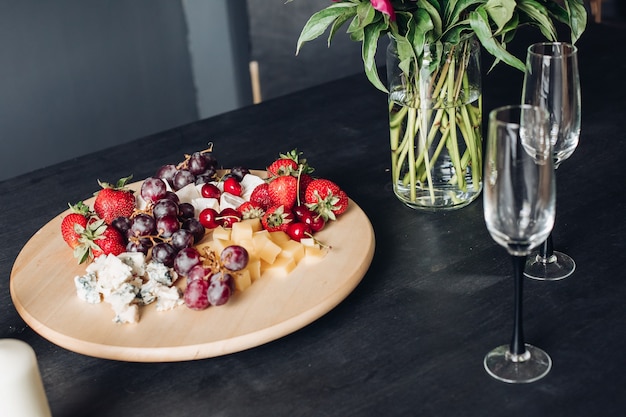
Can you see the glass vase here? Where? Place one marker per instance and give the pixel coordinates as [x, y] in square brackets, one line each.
[435, 107]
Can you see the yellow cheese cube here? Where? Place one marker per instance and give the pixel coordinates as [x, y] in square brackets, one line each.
[293, 249]
[282, 266]
[218, 245]
[241, 231]
[279, 237]
[242, 280]
[248, 244]
[313, 250]
[269, 251]
[220, 233]
[254, 268]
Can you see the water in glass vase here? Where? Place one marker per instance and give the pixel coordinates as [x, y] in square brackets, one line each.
[436, 152]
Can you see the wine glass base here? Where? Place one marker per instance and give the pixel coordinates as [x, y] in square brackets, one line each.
[533, 365]
[554, 268]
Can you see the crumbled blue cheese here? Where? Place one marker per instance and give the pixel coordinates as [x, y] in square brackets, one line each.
[111, 273]
[126, 282]
[168, 298]
[136, 261]
[86, 288]
[160, 273]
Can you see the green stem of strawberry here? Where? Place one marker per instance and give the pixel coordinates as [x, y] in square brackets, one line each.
[300, 168]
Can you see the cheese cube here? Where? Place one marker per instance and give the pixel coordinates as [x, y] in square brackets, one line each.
[241, 231]
[267, 250]
[293, 249]
[218, 245]
[313, 250]
[282, 266]
[254, 268]
[220, 233]
[279, 237]
[242, 280]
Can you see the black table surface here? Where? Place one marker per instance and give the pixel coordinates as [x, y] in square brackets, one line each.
[410, 339]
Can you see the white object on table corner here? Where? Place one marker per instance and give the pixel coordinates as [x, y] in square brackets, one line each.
[21, 389]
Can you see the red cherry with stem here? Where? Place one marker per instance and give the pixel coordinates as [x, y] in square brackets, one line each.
[209, 218]
[298, 231]
[300, 211]
[228, 217]
[315, 222]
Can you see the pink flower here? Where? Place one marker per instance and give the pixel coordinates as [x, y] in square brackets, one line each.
[385, 7]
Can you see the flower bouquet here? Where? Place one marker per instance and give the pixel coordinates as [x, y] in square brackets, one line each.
[433, 79]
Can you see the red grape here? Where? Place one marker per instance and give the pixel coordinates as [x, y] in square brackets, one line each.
[186, 259]
[195, 295]
[234, 257]
[153, 189]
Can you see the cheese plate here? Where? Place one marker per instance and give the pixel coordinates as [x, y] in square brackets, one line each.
[43, 292]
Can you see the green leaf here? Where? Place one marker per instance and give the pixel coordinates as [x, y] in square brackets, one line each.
[538, 13]
[320, 21]
[371, 34]
[500, 11]
[577, 18]
[460, 7]
[480, 24]
[340, 21]
[365, 14]
[435, 18]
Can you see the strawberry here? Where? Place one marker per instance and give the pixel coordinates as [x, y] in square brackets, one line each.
[114, 200]
[260, 196]
[289, 163]
[326, 198]
[250, 210]
[277, 218]
[97, 239]
[74, 223]
[283, 191]
[282, 167]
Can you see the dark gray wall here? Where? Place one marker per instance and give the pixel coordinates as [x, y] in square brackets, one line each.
[274, 30]
[78, 76]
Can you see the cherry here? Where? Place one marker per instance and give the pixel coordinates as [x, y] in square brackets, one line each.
[232, 186]
[209, 218]
[210, 191]
[228, 217]
[298, 230]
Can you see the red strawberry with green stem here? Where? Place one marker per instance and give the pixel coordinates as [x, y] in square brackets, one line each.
[114, 200]
[290, 163]
[73, 225]
[277, 218]
[250, 210]
[326, 198]
[97, 239]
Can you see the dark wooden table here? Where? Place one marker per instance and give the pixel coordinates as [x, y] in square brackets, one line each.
[411, 338]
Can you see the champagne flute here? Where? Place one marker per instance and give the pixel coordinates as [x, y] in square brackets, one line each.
[551, 81]
[519, 199]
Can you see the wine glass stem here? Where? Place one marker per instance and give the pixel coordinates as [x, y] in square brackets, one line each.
[517, 342]
[546, 250]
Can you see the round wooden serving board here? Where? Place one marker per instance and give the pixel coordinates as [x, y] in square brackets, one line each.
[42, 289]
